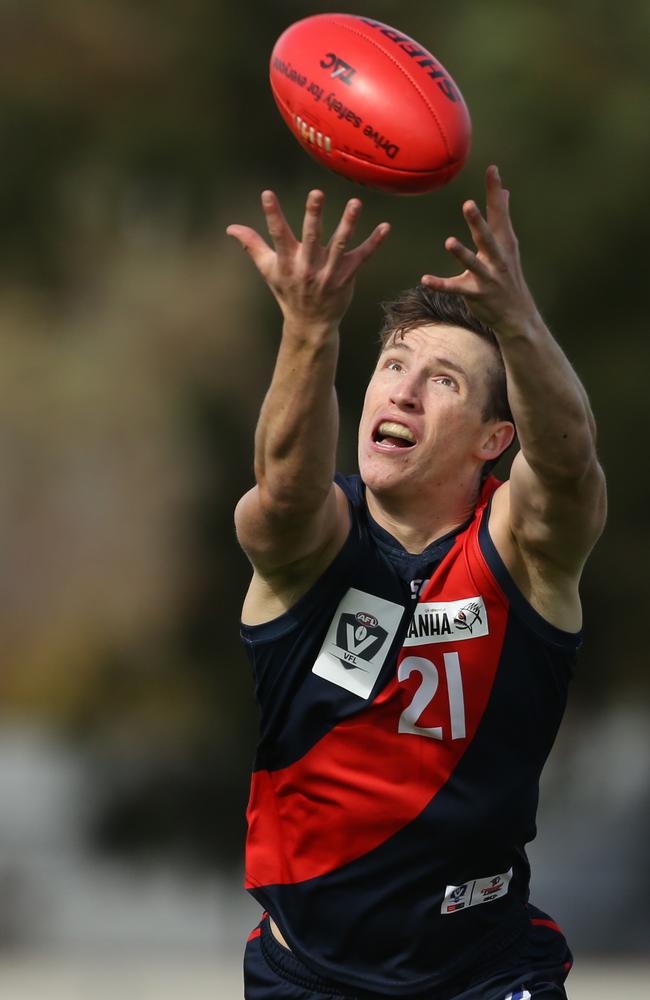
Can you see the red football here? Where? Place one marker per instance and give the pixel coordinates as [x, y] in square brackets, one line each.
[370, 103]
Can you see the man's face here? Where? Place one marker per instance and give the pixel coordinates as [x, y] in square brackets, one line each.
[422, 419]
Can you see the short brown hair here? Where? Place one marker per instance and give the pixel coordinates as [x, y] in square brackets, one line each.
[420, 306]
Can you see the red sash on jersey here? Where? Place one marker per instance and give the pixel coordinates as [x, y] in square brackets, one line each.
[373, 773]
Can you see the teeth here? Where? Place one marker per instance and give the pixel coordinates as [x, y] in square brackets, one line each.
[388, 428]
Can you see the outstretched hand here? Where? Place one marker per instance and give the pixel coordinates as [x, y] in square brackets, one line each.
[312, 283]
[492, 283]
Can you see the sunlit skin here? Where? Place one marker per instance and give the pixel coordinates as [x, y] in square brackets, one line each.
[433, 382]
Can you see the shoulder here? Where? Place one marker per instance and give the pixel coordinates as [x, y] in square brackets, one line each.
[276, 586]
[353, 489]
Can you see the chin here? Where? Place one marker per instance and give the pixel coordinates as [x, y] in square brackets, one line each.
[383, 476]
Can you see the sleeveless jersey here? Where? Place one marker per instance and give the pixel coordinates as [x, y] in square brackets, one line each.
[408, 704]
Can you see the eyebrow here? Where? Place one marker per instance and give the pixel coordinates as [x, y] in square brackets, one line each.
[444, 362]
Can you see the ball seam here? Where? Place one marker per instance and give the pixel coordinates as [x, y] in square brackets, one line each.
[414, 84]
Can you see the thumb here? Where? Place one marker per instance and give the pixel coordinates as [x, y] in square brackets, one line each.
[257, 248]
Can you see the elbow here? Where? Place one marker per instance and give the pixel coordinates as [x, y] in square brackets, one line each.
[284, 497]
[583, 482]
[570, 458]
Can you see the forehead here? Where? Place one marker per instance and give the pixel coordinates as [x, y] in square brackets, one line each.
[436, 341]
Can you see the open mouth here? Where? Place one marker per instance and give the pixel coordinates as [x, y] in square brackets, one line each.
[393, 435]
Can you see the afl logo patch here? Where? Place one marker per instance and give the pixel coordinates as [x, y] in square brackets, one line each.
[357, 641]
[365, 619]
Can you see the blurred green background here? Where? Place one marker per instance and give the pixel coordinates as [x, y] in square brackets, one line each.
[137, 342]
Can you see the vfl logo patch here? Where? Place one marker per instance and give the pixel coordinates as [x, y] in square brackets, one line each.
[519, 995]
[359, 636]
[357, 641]
[453, 620]
[481, 890]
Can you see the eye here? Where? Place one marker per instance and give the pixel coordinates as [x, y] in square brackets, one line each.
[394, 365]
[446, 380]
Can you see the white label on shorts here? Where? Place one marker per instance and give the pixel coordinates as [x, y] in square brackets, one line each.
[481, 890]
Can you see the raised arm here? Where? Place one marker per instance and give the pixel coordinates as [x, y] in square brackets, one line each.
[294, 520]
[548, 517]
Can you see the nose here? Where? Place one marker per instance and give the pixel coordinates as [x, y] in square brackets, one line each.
[405, 393]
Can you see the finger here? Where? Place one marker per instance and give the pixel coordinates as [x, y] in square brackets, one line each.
[481, 232]
[493, 192]
[312, 226]
[279, 229]
[258, 249]
[467, 258]
[361, 253]
[458, 285]
[498, 205]
[338, 244]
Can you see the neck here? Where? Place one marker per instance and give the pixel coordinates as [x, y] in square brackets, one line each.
[417, 520]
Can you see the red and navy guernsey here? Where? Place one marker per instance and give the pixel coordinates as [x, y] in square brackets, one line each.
[408, 704]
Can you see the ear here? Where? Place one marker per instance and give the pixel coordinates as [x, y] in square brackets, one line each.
[499, 437]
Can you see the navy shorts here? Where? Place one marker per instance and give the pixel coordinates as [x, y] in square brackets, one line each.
[532, 969]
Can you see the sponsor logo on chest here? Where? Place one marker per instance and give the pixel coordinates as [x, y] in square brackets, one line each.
[447, 622]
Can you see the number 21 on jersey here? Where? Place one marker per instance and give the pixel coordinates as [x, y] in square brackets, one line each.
[426, 692]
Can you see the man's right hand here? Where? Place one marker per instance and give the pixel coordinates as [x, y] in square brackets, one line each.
[313, 284]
